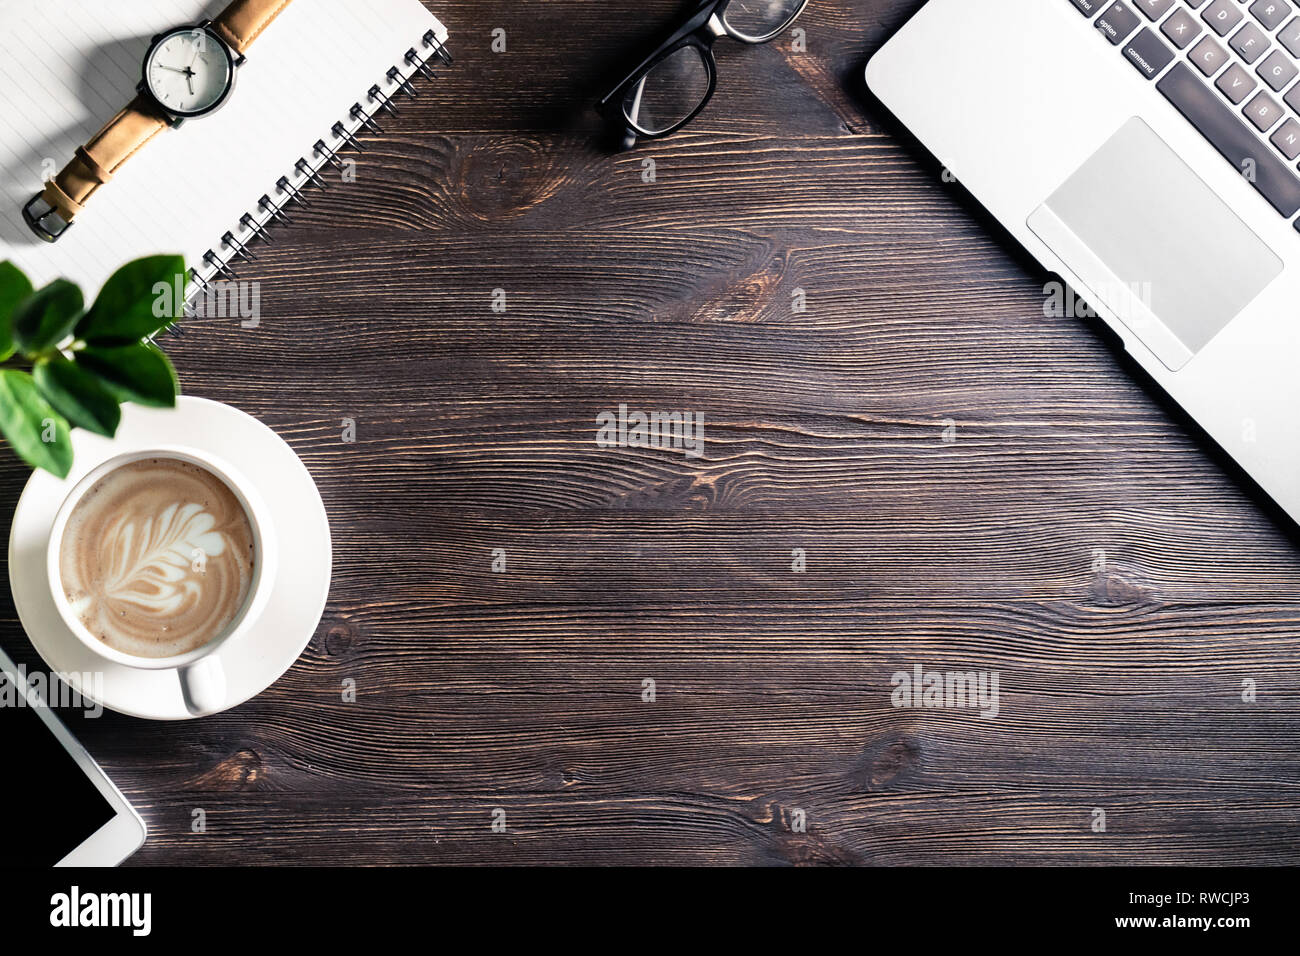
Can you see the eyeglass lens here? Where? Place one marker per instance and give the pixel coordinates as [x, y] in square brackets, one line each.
[760, 19]
[670, 92]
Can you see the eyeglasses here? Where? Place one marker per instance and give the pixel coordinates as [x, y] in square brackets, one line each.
[674, 83]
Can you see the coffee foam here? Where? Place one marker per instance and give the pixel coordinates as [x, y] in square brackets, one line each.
[157, 558]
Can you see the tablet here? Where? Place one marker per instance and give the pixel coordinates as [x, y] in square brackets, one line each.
[57, 808]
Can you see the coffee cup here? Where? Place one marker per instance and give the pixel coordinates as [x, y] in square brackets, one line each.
[168, 583]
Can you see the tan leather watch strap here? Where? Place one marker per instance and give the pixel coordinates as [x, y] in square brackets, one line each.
[243, 21]
[97, 161]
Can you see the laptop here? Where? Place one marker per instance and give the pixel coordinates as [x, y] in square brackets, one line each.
[1146, 151]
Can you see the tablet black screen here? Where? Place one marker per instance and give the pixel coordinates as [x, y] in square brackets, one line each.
[48, 805]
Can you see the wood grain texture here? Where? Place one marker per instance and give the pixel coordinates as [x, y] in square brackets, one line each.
[1121, 680]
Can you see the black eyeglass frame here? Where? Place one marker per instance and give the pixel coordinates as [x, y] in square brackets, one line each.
[702, 29]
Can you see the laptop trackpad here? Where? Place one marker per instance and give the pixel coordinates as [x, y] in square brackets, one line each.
[1152, 242]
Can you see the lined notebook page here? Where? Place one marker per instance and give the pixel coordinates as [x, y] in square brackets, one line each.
[70, 65]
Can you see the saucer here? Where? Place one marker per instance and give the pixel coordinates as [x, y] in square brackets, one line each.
[253, 661]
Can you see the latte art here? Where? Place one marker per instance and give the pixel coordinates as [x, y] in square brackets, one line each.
[157, 558]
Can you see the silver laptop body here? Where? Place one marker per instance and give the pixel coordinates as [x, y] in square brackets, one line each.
[1102, 136]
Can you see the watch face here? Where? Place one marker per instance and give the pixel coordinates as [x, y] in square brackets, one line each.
[188, 71]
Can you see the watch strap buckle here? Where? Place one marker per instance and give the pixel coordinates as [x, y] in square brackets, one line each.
[44, 219]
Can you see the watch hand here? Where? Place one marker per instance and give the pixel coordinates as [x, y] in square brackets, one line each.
[189, 79]
[164, 66]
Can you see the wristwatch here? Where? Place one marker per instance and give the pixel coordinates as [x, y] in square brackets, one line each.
[189, 71]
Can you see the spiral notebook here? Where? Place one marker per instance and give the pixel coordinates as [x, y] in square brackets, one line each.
[312, 83]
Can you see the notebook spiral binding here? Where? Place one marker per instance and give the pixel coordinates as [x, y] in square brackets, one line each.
[289, 189]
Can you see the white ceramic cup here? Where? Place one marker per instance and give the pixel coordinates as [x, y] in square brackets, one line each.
[203, 681]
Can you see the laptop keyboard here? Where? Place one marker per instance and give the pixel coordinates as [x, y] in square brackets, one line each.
[1231, 68]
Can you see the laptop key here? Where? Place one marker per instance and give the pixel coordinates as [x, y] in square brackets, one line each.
[1117, 23]
[1289, 37]
[1264, 112]
[1181, 28]
[1270, 12]
[1278, 70]
[1250, 42]
[1232, 138]
[1088, 7]
[1208, 56]
[1148, 53]
[1154, 9]
[1292, 98]
[1236, 84]
[1222, 16]
[1287, 139]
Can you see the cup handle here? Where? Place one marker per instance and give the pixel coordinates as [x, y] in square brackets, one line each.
[203, 685]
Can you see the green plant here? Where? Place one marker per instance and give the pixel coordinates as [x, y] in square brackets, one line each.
[63, 366]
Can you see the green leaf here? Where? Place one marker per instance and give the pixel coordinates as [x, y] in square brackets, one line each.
[138, 300]
[27, 420]
[135, 373]
[45, 318]
[14, 287]
[78, 396]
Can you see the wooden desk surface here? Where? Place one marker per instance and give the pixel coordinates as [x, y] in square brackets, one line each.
[1073, 537]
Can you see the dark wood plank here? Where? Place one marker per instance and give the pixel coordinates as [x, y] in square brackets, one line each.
[1074, 537]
